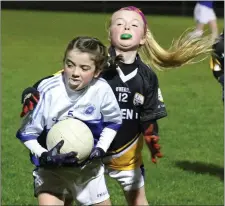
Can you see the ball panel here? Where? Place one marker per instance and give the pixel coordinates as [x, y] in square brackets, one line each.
[76, 135]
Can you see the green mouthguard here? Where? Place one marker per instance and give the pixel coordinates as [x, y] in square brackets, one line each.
[125, 36]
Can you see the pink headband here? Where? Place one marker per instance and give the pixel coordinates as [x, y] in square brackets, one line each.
[133, 8]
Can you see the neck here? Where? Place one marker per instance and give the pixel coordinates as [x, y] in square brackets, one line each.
[128, 56]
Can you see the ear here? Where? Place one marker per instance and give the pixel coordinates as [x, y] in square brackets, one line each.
[97, 73]
[143, 40]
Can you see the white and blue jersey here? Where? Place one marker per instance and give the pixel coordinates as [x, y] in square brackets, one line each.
[208, 4]
[95, 105]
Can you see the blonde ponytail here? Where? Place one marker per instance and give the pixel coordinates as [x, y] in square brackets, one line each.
[183, 51]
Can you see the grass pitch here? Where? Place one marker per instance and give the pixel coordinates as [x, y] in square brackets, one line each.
[191, 172]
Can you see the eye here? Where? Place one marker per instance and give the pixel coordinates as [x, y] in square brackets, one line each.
[134, 25]
[69, 65]
[85, 68]
[119, 23]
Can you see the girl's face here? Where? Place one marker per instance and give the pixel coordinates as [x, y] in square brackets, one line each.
[127, 22]
[79, 69]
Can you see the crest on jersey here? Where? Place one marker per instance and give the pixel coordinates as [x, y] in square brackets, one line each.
[160, 98]
[138, 99]
[89, 109]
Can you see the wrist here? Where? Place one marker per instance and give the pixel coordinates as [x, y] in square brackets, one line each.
[35, 147]
[106, 139]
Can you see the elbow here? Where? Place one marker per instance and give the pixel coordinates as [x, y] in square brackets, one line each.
[24, 137]
[113, 126]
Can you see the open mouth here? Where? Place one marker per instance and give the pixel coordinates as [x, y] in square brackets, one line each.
[125, 36]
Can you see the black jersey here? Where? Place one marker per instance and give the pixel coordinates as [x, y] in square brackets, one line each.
[137, 91]
[217, 58]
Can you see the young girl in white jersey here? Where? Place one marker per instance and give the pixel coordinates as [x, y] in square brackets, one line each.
[70, 94]
[137, 90]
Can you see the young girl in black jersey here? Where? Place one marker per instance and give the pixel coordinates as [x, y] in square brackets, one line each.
[137, 90]
[217, 61]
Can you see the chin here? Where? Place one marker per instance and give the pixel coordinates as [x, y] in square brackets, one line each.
[73, 87]
[125, 48]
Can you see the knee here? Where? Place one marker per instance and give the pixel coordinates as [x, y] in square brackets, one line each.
[136, 197]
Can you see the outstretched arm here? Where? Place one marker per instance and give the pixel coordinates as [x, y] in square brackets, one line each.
[150, 133]
[30, 96]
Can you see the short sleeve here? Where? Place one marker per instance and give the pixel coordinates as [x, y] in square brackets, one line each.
[153, 107]
[33, 124]
[110, 110]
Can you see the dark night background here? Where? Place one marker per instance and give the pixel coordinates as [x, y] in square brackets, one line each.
[180, 8]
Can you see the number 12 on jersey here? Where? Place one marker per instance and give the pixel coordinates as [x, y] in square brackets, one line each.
[123, 97]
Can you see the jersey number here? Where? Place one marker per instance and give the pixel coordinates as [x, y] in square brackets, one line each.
[70, 113]
[123, 97]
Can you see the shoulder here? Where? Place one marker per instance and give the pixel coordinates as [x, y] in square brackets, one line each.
[100, 87]
[147, 72]
[50, 83]
[101, 83]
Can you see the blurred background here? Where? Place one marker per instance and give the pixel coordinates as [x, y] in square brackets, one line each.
[34, 36]
[178, 8]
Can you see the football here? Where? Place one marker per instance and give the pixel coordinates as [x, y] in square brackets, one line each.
[76, 135]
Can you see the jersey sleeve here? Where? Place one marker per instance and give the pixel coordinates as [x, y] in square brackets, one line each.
[112, 119]
[111, 111]
[33, 124]
[153, 107]
[39, 81]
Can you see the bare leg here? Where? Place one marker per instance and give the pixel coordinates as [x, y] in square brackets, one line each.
[200, 26]
[198, 30]
[106, 202]
[136, 197]
[48, 199]
[214, 28]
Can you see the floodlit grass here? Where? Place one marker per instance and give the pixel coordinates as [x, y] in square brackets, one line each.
[191, 172]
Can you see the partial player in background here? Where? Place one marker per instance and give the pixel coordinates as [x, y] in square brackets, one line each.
[77, 92]
[217, 61]
[136, 87]
[204, 14]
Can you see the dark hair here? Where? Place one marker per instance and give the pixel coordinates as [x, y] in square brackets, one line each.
[93, 46]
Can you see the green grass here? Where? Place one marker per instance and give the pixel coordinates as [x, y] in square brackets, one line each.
[191, 172]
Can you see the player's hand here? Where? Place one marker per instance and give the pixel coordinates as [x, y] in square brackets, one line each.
[154, 147]
[30, 98]
[54, 158]
[97, 153]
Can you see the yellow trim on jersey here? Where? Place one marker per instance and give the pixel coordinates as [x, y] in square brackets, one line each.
[213, 62]
[58, 72]
[128, 159]
[125, 146]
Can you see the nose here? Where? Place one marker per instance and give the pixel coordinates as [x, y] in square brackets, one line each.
[127, 27]
[76, 72]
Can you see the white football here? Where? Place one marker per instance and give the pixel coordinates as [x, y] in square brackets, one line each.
[76, 135]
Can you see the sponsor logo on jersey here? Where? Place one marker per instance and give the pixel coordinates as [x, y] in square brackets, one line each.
[160, 98]
[138, 99]
[123, 89]
[89, 109]
[102, 194]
